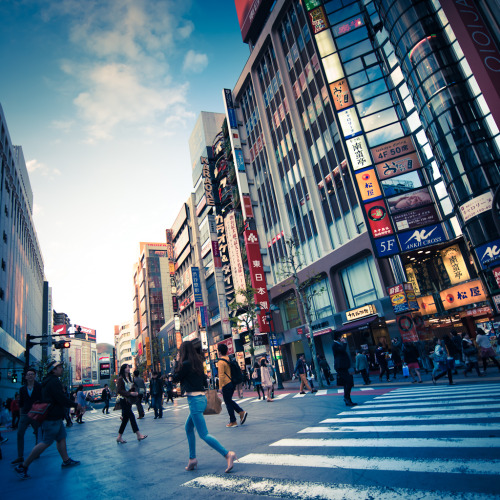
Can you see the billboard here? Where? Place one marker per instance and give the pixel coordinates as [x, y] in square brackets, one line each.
[198, 297]
[60, 329]
[410, 200]
[416, 218]
[90, 334]
[248, 11]
[233, 245]
[378, 219]
[104, 370]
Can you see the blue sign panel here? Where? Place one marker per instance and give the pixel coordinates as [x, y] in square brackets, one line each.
[232, 118]
[198, 297]
[422, 237]
[488, 253]
[240, 161]
[387, 246]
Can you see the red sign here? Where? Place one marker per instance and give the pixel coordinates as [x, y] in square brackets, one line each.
[60, 329]
[496, 275]
[257, 277]
[247, 10]
[378, 219]
[247, 204]
[91, 334]
[407, 328]
[230, 345]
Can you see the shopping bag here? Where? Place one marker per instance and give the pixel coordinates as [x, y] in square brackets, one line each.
[406, 371]
[214, 405]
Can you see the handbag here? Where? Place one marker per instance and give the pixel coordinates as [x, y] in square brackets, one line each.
[118, 404]
[214, 405]
[39, 411]
[255, 374]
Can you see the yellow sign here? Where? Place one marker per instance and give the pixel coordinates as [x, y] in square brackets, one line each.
[463, 295]
[455, 264]
[360, 312]
[426, 305]
[148, 352]
[368, 185]
[412, 278]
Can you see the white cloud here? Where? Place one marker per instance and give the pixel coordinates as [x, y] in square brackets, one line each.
[35, 166]
[195, 62]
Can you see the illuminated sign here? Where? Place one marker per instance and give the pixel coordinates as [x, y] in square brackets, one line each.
[416, 218]
[341, 94]
[393, 149]
[318, 19]
[349, 122]
[463, 294]
[387, 246]
[398, 166]
[454, 263]
[476, 206]
[488, 253]
[361, 312]
[407, 328]
[429, 235]
[311, 4]
[368, 185]
[347, 26]
[410, 200]
[358, 152]
[207, 176]
[378, 219]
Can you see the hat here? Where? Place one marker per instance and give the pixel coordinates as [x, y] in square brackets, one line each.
[53, 364]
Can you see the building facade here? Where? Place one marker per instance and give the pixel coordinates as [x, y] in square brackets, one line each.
[125, 342]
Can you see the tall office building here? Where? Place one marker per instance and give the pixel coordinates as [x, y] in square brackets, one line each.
[365, 138]
[125, 350]
[22, 269]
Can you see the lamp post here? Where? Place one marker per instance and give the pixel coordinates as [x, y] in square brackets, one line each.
[273, 340]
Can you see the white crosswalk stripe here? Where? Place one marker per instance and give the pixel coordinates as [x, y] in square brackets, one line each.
[376, 437]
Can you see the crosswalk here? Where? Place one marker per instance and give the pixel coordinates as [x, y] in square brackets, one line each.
[421, 443]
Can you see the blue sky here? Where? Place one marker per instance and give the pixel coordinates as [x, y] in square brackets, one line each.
[102, 96]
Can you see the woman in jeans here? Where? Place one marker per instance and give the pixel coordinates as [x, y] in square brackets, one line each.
[125, 388]
[189, 372]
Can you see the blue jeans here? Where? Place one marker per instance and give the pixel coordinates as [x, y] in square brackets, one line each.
[156, 404]
[197, 405]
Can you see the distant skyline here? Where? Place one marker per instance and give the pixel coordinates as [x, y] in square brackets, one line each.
[103, 96]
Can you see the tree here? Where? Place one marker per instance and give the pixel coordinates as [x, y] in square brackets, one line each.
[245, 311]
[291, 264]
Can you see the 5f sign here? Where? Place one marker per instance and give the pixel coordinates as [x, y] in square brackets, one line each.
[387, 246]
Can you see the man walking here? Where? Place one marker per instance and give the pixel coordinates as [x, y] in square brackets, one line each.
[30, 392]
[140, 387]
[342, 364]
[106, 397]
[225, 382]
[301, 371]
[156, 390]
[362, 366]
[53, 427]
[169, 386]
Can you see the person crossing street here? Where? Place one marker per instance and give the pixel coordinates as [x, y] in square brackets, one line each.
[106, 397]
[342, 365]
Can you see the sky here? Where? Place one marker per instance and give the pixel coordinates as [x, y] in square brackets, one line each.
[103, 95]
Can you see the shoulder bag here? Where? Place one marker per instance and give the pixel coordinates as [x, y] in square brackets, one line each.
[214, 405]
[39, 411]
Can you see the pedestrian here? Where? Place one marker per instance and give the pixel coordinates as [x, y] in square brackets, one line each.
[381, 357]
[245, 380]
[29, 393]
[14, 411]
[342, 365]
[301, 371]
[256, 379]
[486, 349]
[443, 363]
[265, 375]
[156, 391]
[52, 427]
[325, 368]
[106, 397]
[310, 375]
[67, 414]
[82, 402]
[410, 356]
[227, 387]
[125, 388]
[169, 385]
[456, 342]
[470, 355]
[189, 372]
[362, 366]
[396, 357]
[248, 372]
[140, 387]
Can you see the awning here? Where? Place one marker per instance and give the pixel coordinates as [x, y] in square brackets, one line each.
[356, 325]
[321, 332]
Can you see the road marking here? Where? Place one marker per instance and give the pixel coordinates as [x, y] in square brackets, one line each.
[441, 401]
[239, 401]
[365, 389]
[435, 395]
[486, 442]
[445, 466]
[281, 396]
[299, 395]
[486, 426]
[408, 418]
[305, 490]
[491, 406]
[321, 392]
[472, 386]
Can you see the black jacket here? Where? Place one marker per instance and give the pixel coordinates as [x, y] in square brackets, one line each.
[106, 394]
[52, 392]
[156, 386]
[342, 360]
[26, 401]
[189, 379]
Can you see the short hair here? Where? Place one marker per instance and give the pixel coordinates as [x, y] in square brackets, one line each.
[105, 385]
[31, 369]
[222, 348]
[136, 373]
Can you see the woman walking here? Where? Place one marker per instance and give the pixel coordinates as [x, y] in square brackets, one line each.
[256, 379]
[189, 372]
[125, 388]
[80, 400]
[443, 366]
[267, 382]
[470, 355]
[486, 349]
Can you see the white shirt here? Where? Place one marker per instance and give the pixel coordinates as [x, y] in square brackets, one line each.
[483, 341]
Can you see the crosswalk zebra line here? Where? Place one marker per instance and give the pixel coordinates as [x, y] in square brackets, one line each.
[431, 409]
[450, 466]
[299, 395]
[306, 490]
[486, 426]
[322, 392]
[472, 386]
[413, 400]
[430, 392]
[409, 418]
[441, 401]
[477, 442]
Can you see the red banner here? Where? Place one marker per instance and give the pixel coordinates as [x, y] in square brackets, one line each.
[60, 329]
[257, 277]
[407, 328]
[378, 219]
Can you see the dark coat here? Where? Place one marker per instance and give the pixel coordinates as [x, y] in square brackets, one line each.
[52, 392]
[120, 389]
[342, 360]
[156, 386]
[25, 400]
[189, 379]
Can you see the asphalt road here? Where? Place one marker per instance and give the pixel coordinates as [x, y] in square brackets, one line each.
[413, 442]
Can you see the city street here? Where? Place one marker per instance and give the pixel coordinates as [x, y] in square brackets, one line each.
[412, 442]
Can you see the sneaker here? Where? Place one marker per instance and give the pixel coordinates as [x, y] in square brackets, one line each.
[232, 424]
[302, 392]
[19, 460]
[21, 471]
[243, 417]
[70, 463]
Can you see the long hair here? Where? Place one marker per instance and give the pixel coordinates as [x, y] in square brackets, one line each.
[187, 352]
[123, 374]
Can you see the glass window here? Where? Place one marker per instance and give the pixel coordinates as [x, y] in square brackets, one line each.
[325, 42]
[333, 68]
[290, 313]
[379, 119]
[361, 282]
[385, 134]
[321, 300]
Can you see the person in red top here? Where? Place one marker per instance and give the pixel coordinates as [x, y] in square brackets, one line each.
[15, 411]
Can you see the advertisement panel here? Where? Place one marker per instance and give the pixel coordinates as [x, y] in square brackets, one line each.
[198, 297]
[419, 238]
[397, 166]
[257, 277]
[410, 200]
[89, 332]
[233, 245]
[104, 370]
[378, 219]
[393, 149]
[319, 20]
[368, 185]
[349, 122]
[416, 218]
[341, 94]
[60, 329]
[247, 204]
[407, 328]
[361, 312]
[463, 294]
[387, 246]
[358, 152]
[454, 264]
[476, 206]
[488, 253]
[224, 257]
[230, 345]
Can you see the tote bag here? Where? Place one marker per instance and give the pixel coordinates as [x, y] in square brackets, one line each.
[214, 405]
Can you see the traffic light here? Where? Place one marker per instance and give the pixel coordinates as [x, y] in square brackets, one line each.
[14, 378]
[62, 344]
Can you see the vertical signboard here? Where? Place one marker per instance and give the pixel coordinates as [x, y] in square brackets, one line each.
[233, 245]
[224, 257]
[198, 297]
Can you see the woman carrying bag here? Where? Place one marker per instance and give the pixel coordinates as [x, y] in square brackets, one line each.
[267, 381]
[189, 372]
[125, 388]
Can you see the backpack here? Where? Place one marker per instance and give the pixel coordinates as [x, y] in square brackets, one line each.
[236, 375]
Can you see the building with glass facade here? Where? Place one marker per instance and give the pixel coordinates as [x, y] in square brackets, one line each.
[22, 268]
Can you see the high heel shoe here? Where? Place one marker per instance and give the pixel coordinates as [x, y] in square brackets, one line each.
[142, 438]
[192, 464]
[121, 441]
[231, 458]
